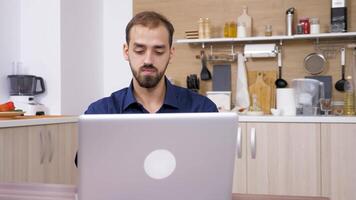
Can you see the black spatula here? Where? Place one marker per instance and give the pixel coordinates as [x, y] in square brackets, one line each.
[205, 73]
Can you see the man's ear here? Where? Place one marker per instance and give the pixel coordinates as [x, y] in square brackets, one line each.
[126, 51]
[172, 52]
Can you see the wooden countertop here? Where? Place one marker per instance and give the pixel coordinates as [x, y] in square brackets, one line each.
[36, 120]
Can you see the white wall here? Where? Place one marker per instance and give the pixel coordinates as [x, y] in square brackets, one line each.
[75, 45]
[117, 73]
[9, 42]
[40, 47]
[82, 62]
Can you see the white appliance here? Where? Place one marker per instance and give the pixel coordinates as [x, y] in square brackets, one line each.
[23, 89]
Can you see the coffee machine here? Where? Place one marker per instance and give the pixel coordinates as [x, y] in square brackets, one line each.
[23, 89]
[307, 95]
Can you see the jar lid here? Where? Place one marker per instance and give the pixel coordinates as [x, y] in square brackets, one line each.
[338, 103]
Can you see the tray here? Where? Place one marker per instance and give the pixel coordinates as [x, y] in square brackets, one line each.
[10, 114]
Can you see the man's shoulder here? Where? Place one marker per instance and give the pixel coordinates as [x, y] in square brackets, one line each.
[108, 105]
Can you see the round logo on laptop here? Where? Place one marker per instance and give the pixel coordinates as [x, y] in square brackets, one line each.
[159, 164]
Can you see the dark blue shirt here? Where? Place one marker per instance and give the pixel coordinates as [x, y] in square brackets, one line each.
[177, 100]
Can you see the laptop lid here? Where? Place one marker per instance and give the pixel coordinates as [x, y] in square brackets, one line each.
[157, 156]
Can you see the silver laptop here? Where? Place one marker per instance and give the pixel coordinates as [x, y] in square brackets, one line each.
[186, 156]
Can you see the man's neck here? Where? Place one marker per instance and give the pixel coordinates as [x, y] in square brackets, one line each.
[151, 98]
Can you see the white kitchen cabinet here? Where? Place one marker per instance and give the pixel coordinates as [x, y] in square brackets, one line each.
[279, 159]
[240, 175]
[338, 161]
[43, 154]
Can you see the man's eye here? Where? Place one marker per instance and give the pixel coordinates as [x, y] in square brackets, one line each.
[159, 52]
[139, 51]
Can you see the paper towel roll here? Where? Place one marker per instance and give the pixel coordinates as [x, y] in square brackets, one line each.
[286, 101]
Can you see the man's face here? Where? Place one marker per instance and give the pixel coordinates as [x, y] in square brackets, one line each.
[148, 53]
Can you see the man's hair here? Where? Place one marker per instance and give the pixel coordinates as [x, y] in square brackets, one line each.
[150, 19]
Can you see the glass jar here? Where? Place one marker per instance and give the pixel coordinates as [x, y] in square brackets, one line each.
[337, 108]
[306, 25]
[268, 30]
[314, 26]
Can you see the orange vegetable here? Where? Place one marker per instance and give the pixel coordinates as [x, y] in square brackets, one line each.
[8, 106]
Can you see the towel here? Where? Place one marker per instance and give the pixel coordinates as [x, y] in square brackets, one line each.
[242, 95]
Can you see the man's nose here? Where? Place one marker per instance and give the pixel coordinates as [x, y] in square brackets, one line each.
[149, 57]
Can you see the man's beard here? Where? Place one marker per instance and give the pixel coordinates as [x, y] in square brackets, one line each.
[148, 81]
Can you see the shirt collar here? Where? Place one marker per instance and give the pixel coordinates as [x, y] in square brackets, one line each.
[169, 99]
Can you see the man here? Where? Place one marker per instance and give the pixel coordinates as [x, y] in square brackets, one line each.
[148, 50]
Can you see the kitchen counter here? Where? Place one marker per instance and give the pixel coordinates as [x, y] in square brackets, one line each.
[36, 120]
[43, 120]
[298, 119]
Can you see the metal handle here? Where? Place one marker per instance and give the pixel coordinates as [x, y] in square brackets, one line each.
[51, 148]
[253, 143]
[42, 148]
[239, 146]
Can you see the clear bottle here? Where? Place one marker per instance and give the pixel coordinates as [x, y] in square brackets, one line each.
[201, 28]
[206, 28]
[349, 97]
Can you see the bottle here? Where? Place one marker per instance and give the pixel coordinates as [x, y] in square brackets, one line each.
[349, 97]
[314, 26]
[201, 28]
[247, 20]
[232, 29]
[206, 28]
[226, 30]
[241, 30]
[289, 21]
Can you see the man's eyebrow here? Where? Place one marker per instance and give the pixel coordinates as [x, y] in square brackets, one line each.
[160, 46]
[139, 45]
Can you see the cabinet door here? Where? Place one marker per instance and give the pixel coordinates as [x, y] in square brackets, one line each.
[13, 154]
[239, 184]
[63, 145]
[283, 159]
[338, 161]
[37, 153]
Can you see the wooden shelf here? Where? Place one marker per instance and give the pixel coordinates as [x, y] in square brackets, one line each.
[279, 38]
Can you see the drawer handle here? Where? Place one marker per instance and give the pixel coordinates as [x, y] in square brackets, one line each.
[51, 146]
[42, 148]
[253, 143]
[239, 146]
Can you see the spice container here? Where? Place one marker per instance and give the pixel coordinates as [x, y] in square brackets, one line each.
[201, 28]
[306, 25]
[314, 26]
[337, 108]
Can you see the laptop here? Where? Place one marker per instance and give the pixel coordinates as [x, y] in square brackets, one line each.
[177, 156]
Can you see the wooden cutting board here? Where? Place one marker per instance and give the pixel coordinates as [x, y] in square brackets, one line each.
[265, 88]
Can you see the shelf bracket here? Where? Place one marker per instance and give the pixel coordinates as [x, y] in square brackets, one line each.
[281, 42]
[202, 45]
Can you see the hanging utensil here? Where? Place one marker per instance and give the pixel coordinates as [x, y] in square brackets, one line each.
[280, 83]
[340, 84]
[315, 63]
[205, 73]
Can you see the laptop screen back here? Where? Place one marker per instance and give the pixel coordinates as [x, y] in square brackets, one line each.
[157, 156]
